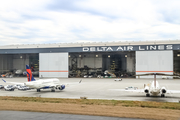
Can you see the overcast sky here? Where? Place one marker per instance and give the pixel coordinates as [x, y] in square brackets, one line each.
[65, 21]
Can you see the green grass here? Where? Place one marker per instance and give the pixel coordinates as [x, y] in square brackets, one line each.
[143, 104]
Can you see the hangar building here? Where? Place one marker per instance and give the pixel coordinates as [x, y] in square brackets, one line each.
[123, 59]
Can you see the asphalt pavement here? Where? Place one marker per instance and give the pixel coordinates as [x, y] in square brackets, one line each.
[94, 88]
[20, 115]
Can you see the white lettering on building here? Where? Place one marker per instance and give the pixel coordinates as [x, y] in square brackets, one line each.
[168, 47]
[119, 48]
[152, 47]
[129, 47]
[161, 47]
[147, 47]
[104, 48]
[141, 48]
[86, 49]
[99, 49]
[92, 49]
[109, 48]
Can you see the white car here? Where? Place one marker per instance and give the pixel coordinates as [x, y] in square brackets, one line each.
[85, 76]
[17, 86]
[9, 88]
[131, 88]
[90, 76]
[99, 76]
[23, 88]
[117, 79]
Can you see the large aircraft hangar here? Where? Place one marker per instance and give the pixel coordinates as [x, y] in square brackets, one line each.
[98, 59]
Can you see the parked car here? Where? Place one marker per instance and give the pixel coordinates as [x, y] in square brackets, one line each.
[9, 88]
[131, 88]
[85, 76]
[23, 88]
[1, 86]
[27, 88]
[17, 86]
[118, 79]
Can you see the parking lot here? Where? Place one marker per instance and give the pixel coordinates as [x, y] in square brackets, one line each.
[94, 88]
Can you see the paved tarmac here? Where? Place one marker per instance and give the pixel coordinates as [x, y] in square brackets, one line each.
[19, 115]
[94, 88]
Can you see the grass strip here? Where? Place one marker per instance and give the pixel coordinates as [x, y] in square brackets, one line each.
[143, 104]
[115, 108]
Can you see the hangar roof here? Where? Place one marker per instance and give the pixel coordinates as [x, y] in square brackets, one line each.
[83, 44]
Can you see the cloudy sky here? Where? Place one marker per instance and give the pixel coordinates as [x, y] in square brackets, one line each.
[65, 21]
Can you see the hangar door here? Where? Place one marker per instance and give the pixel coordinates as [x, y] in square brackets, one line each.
[154, 62]
[53, 65]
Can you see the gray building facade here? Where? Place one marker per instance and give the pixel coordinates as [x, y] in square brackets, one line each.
[125, 59]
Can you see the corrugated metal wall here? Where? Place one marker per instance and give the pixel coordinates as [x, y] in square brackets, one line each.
[154, 62]
[130, 60]
[53, 65]
[20, 64]
[6, 63]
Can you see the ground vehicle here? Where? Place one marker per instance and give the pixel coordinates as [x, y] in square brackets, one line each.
[117, 79]
[131, 88]
[16, 86]
[9, 88]
[23, 88]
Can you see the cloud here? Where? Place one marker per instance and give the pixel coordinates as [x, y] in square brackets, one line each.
[56, 21]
